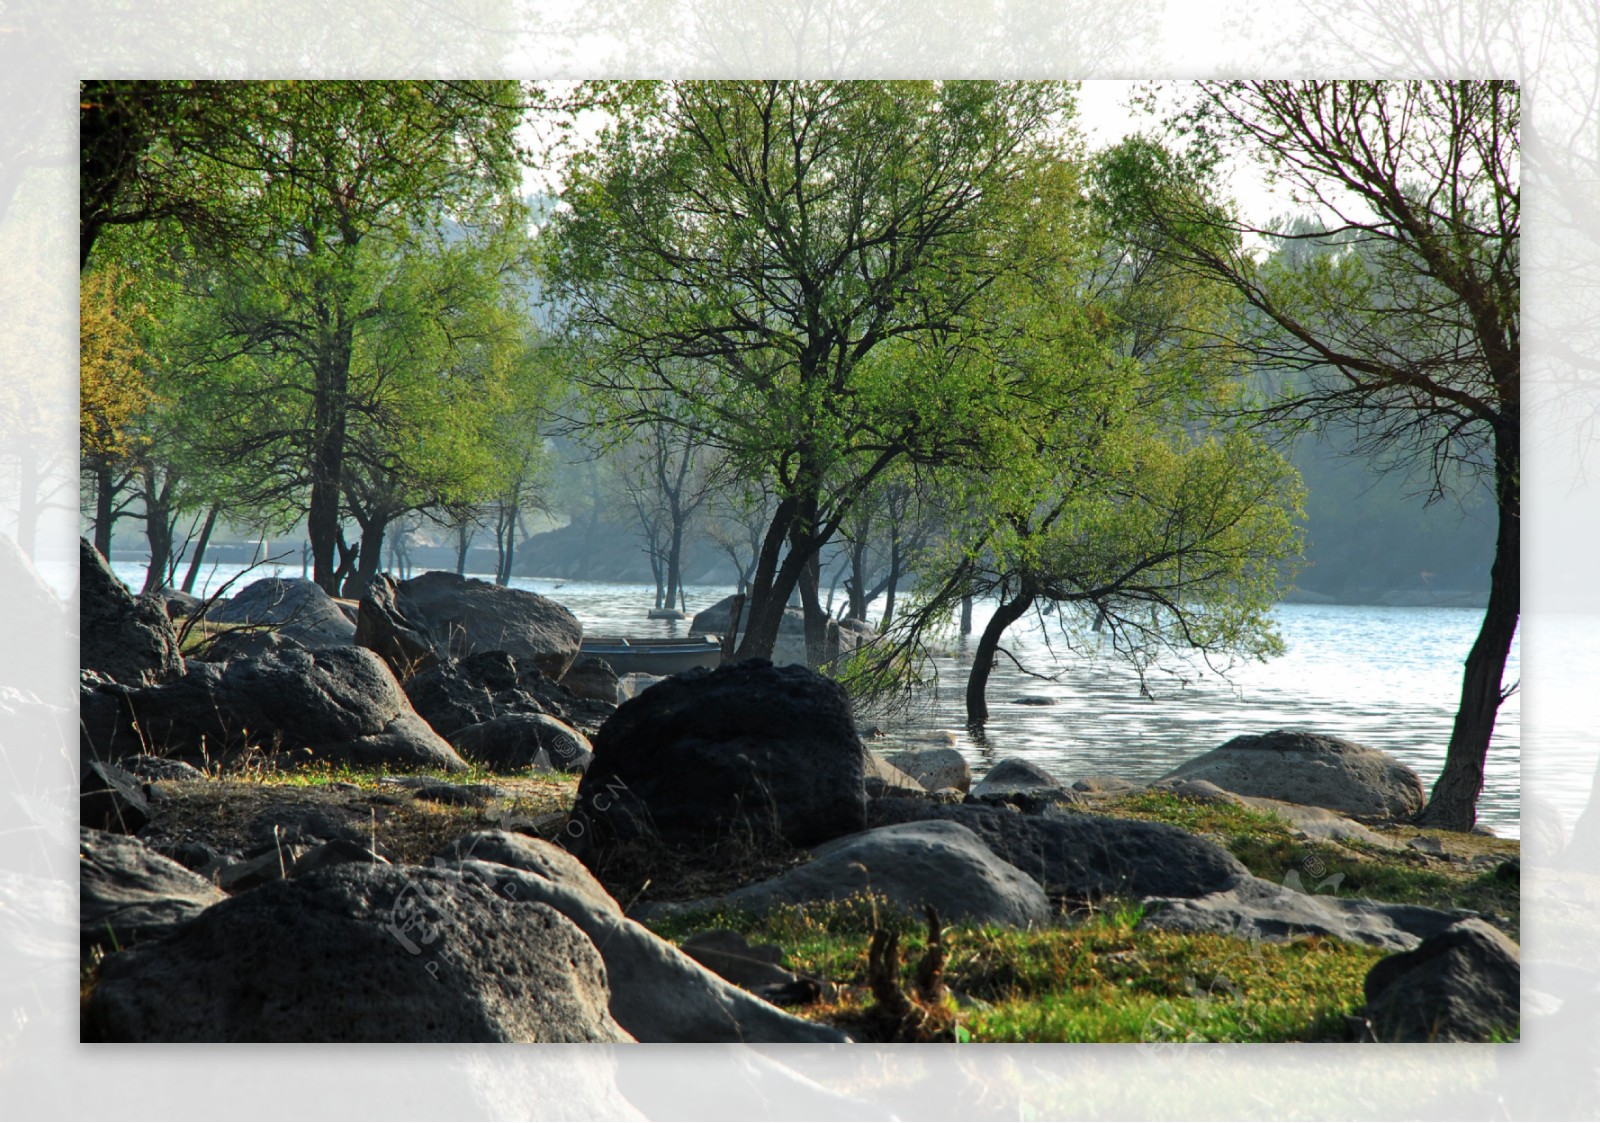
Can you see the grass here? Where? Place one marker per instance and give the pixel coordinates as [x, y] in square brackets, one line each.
[1101, 980]
[1269, 848]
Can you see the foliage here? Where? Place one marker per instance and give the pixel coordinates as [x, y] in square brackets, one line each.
[112, 384]
[1396, 303]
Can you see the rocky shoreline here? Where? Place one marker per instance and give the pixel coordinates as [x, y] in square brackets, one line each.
[426, 823]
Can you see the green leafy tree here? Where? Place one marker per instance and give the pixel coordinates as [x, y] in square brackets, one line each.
[1409, 339]
[787, 261]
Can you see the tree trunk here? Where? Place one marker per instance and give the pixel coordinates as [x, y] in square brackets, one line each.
[1006, 615]
[105, 507]
[1454, 802]
[966, 615]
[198, 557]
[158, 518]
[764, 610]
[368, 557]
[329, 419]
[894, 577]
[675, 562]
[816, 620]
[463, 544]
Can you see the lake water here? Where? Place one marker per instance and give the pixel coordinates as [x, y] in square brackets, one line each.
[1386, 677]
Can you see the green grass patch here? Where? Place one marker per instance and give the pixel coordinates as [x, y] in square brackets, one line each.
[1102, 980]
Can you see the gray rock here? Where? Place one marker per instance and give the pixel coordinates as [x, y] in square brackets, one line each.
[339, 852]
[180, 605]
[592, 678]
[127, 893]
[126, 639]
[1197, 791]
[1098, 784]
[632, 685]
[1320, 823]
[1262, 910]
[518, 742]
[293, 606]
[160, 768]
[934, 768]
[246, 643]
[1086, 857]
[884, 779]
[838, 640]
[747, 747]
[335, 704]
[360, 953]
[1013, 777]
[911, 865]
[111, 799]
[1313, 769]
[757, 968]
[657, 992]
[460, 616]
[1463, 984]
[381, 626]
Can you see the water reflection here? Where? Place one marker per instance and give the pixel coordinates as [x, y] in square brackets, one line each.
[1386, 677]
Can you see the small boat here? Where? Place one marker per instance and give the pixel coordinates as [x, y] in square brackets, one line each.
[653, 656]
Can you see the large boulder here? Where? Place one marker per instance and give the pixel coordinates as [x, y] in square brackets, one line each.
[747, 748]
[439, 615]
[456, 693]
[124, 638]
[292, 606]
[839, 639]
[934, 768]
[1257, 909]
[1086, 857]
[1463, 984]
[127, 893]
[336, 704]
[1313, 769]
[518, 742]
[911, 865]
[361, 952]
[657, 992]
[1015, 780]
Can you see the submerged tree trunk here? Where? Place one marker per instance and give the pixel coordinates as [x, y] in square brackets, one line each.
[1454, 802]
[966, 615]
[199, 554]
[1006, 615]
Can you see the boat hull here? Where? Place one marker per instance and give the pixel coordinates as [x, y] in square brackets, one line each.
[629, 655]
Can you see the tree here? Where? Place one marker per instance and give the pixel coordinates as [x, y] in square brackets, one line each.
[786, 260]
[1410, 338]
[336, 182]
[113, 389]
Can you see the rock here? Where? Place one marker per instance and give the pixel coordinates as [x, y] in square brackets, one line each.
[111, 799]
[1197, 791]
[460, 616]
[339, 852]
[634, 684]
[1012, 778]
[270, 865]
[292, 606]
[838, 640]
[934, 768]
[1256, 909]
[361, 953]
[126, 639]
[1463, 984]
[757, 968]
[334, 705]
[657, 992]
[1097, 784]
[884, 779]
[224, 647]
[1086, 857]
[911, 865]
[592, 678]
[747, 747]
[456, 693]
[518, 742]
[160, 768]
[457, 795]
[1033, 700]
[127, 893]
[1318, 822]
[1313, 769]
[179, 604]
